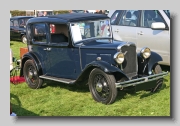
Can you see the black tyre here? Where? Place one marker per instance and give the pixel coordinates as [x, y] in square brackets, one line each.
[24, 39]
[157, 69]
[31, 75]
[102, 86]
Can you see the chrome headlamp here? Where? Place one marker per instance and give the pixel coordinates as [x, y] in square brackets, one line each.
[145, 52]
[119, 57]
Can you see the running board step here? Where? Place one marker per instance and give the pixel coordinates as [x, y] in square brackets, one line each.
[63, 80]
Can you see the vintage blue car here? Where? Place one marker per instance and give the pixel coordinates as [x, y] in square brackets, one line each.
[79, 48]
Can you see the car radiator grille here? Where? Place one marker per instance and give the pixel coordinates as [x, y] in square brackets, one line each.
[129, 66]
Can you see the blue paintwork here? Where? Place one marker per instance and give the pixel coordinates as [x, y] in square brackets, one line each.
[30, 55]
[103, 65]
[154, 58]
[149, 63]
[43, 57]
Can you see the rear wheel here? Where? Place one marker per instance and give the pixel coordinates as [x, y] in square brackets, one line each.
[24, 39]
[156, 70]
[102, 86]
[31, 75]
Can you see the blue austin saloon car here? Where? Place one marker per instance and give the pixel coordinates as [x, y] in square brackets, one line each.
[79, 48]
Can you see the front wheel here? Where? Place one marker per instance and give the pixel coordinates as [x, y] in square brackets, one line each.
[156, 70]
[31, 75]
[102, 86]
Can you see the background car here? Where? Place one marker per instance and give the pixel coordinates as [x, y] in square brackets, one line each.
[77, 11]
[18, 28]
[149, 28]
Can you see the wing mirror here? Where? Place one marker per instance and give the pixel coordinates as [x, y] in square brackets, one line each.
[158, 26]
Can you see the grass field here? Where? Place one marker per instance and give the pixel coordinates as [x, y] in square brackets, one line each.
[58, 99]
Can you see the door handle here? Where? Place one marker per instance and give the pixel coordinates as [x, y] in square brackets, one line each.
[47, 49]
[116, 30]
[140, 33]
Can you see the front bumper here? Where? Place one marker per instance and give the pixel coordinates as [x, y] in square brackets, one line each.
[141, 80]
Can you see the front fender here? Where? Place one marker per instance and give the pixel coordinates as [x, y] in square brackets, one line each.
[145, 66]
[31, 56]
[155, 58]
[104, 66]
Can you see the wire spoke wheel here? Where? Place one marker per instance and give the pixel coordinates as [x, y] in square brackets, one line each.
[102, 86]
[31, 75]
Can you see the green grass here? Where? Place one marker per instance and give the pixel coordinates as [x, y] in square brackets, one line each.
[58, 99]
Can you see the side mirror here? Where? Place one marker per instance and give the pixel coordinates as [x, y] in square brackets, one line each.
[158, 26]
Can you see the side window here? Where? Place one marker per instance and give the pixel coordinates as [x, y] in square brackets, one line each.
[39, 32]
[11, 22]
[129, 18]
[59, 33]
[28, 34]
[149, 17]
[167, 12]
[114, 16]
[16, 24]
[22, 22]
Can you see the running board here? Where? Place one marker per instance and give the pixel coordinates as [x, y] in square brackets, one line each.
[63, 80]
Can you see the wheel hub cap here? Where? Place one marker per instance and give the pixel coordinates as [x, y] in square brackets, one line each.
[30, 75]
[24, 39]
[99, 87]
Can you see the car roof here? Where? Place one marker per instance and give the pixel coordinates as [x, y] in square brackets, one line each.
[15, 17]
[79, 16]
[70, 17]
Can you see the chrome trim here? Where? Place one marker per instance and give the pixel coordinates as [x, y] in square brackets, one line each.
[80, 57]
[49, 78]
[126, 44]
[142, 50]
[115, 56]
[141, 80]
[98, 58]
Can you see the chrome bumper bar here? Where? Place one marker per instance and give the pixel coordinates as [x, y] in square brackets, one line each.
[141, 80]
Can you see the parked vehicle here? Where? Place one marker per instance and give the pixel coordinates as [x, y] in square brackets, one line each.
[145, 28]
[78, 50]
[77, 11]
[18, 28]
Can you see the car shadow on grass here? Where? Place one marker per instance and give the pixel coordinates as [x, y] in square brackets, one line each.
[132, 92]
[81, 87]
[22, 111]
[18, 109]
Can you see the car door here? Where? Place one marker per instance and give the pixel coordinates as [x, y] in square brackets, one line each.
[40, 46]
[61, 55]
[125, 29]
[156, 40]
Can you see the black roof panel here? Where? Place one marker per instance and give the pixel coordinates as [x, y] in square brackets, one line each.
[79, 16]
